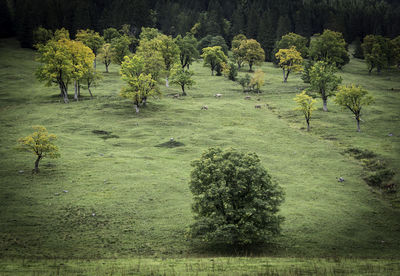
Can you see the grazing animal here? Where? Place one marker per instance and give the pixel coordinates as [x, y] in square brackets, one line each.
[175, 96]
[218, 95]
[204, 107]
[257, 106]
[247, 98]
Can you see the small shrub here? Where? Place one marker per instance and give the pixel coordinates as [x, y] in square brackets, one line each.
[380, 178]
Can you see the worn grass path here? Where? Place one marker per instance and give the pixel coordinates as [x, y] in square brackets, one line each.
[127, 197]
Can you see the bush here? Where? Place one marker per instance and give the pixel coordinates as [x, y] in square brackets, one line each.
[235, 201]
[380, 178]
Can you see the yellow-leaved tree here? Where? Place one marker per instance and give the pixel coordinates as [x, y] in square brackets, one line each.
[257, 81]
[306, 105]
[40, 143]
[140, 84]
[290, 60]
[353, 97]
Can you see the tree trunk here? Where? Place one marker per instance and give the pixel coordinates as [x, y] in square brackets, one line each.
[308, 125]
[324, 100]
[166, 82]
[90, 92]
[183, 90]
[358, 124]
[76, 91]
[36, 170]
[79, 90]
[251, 67]
[136, 108]
[106, 68]
[212, 72]
[64, 92]
[284, 76]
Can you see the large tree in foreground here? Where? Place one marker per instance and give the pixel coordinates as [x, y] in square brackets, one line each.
[235, 202]
[324, 81]
[354, 98]
[182, 77]
[40, 143]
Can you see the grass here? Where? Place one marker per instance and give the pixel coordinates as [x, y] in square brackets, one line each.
[120, 188]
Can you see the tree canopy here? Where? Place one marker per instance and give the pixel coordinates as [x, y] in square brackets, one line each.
[253, 53]
[213, 57]
[290, 60]
[235, 202]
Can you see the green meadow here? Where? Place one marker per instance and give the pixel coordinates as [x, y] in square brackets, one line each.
[118, 196]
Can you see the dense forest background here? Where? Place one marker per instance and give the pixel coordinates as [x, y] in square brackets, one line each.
[263, 20]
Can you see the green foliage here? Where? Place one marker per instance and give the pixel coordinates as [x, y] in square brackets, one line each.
[230, 70]
[61, 34]
[329, 47]
[306, 105]
[290, 60]
[292, 39]
[150, 51]
[62, 61]
[245, 83]
[307, 65]
[354, 98]
[188, 49]
[358, 51]
[182, 77]
[257, 81]
[254, 54]
[238, 53]
[140, 85]
[106, 55]
[91, 39]
[169, 51]
[110, 33]
[41, 36]
[120, 48]
[213, 57]
[211, 41]
[41, 144]
[377, 51]
[396, 50]
[234, 199]
[324, 81]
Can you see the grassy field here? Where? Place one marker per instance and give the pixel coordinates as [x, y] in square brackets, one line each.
[122, 194]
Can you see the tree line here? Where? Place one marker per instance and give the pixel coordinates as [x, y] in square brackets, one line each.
[265, 21]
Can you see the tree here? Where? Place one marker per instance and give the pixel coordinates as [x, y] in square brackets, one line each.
[211, 41]
[230, 70]
[289, 60]
[213, 57]
[110, 33]
[90, 78]
[329, 47]
[61, 34]
[306, 105]
[245, 83]
[106, 55]
[292, 39]
[150, 51]
[254, 54]
[257, 81]
[120, 48]
[56, 65]
[235, 202]
[354, 98]
[188, 49]
[91, 39]
[41, 36]
[40, 143]
[396, 50]
[377, 52]
[238, 53]
[324, 81]
[63, 61]
[82, 58]
[140, 85]
[182, 77]
[169, 52]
